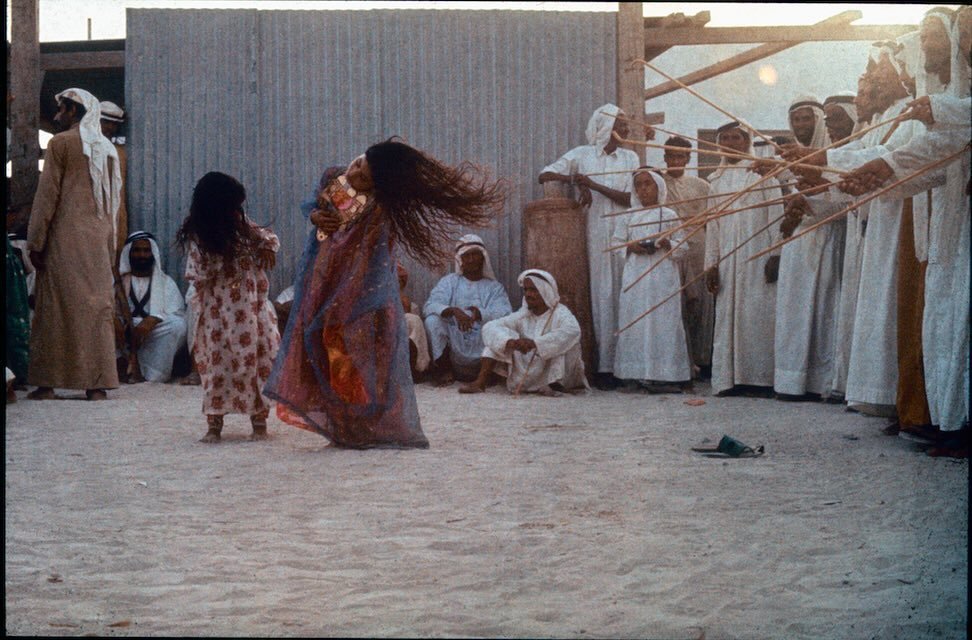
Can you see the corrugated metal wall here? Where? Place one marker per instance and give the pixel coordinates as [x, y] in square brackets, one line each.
[273, 97]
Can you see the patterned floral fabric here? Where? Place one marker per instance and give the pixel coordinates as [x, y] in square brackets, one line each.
[236, 336]
[343, 369]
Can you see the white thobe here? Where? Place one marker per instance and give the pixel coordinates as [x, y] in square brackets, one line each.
[742, 344]
[654, 348]
[557, 357]
[872, 375]
[945, 324]
[159, 348]
[454, 290]
[807, 296]
[605, 267]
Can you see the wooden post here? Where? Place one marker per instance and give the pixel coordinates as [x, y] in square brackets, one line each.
[631, 78]
[24, 98]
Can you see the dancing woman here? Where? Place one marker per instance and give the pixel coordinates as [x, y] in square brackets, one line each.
[343, 368]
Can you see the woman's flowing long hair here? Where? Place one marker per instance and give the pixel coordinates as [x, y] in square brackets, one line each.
[216, 222]
[426, 200]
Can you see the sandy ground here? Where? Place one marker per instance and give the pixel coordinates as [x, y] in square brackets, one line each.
[571, 517]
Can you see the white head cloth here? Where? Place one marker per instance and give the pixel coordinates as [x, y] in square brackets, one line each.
[105, 175]
[908, 56]
[659, 182]
[723, 162]
[157, 299]
[840, 100]
[886, 48]
[111, 111]
[472, 242]
[961, 71]
[601, 124]
[820, 138]
[545, 284]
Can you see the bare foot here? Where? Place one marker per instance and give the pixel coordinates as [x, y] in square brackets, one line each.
[211, 436]
[96, 394]
[191, 380]
[473, 387]
[41, 393]
[11, 394]
[547, 392]
[259, 433]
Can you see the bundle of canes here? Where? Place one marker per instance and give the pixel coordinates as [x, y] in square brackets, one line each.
[672, 203]
[701, 274]
[877, 194]
[705, 215]
[707, 101]
[546, 326]
[702, 166]
[701, 225]
[736, 155]
[715, 145]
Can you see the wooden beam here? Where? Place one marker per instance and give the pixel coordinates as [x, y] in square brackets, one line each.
[631, 78]
[82, 60]
[742, 35]
[22, 99]
[672, 21]
[744, 58]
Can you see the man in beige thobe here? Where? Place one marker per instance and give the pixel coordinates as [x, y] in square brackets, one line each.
[71, 238]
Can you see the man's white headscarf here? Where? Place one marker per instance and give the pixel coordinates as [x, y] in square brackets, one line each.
[887, 48]
[601, 124]
[845, 100]
[472, 242]
[111, 111]
[105, 175]
[909, 57]
[723, 162]
[157, 299]
[961, 71]
[820, 138]
[545, 284]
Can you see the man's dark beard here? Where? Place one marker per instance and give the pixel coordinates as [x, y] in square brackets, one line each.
[143, 265]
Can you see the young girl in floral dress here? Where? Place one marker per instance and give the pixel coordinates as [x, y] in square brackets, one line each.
[236, 335]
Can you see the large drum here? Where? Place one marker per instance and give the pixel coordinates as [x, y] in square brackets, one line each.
[555, 240]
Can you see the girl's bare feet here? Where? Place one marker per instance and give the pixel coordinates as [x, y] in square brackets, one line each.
[259, 424]
[215, 424]
[96, 394]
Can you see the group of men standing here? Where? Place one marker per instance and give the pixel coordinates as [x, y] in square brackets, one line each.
[867, 305]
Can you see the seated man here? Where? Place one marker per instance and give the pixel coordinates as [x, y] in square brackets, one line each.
[457, 308]
[418, 341]
[538, 347]
[157, 309]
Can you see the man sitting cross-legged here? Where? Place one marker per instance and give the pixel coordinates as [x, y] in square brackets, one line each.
[457, 307]
[536, 348]
[158, 323]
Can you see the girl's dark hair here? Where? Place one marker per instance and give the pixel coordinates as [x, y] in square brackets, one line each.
[426, 199]
[216, 222]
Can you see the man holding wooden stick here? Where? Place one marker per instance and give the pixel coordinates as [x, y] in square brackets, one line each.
[742, 349]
